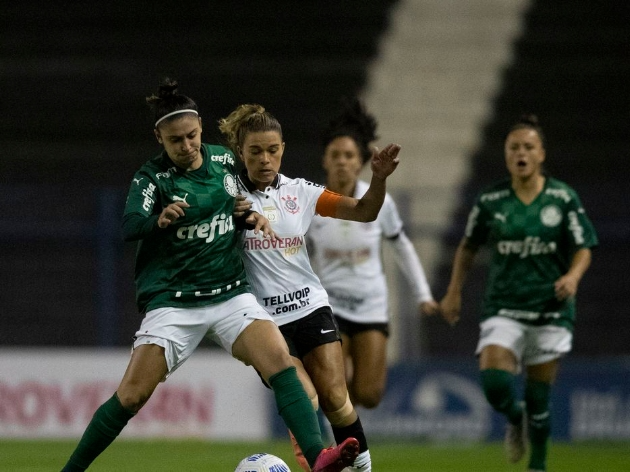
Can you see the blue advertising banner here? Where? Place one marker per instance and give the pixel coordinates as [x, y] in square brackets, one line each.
[442, 400]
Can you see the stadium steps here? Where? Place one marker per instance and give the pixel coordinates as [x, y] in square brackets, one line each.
[571, 69]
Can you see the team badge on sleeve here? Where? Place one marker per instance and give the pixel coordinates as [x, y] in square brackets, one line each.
[229, 182]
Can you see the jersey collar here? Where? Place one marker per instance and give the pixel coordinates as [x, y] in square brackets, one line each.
[250, 186]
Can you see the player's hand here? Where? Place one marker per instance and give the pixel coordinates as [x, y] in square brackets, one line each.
[261, 224]
[171, 212]
[385, 162]
[429, 308]
[241, 205]
[565, 287]
[450, 307]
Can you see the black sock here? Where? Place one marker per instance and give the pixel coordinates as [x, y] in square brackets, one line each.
[354, 430]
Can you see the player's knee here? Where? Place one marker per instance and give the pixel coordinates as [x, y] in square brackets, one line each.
[369, 399]
[498, 388]
[133, 400]
[368, 396]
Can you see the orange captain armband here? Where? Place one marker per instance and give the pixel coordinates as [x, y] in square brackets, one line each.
[327, 203]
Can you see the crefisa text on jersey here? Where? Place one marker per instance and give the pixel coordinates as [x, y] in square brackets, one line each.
[222, 158]
[223, 223]
[530, 246]
[148, 202]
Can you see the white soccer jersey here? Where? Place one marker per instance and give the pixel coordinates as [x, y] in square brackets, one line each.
[279, 271]
[347, 257]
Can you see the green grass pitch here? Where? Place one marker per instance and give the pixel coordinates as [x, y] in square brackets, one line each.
[200, 456]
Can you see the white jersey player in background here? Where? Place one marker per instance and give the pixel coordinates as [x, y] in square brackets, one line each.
[347, 257]
[279, 270]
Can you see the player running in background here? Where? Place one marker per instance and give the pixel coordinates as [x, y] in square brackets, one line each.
[191, 284]
[280, 272]
[346, 255]
[541, 242]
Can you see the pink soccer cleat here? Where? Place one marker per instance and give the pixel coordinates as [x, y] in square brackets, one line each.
[335, 459]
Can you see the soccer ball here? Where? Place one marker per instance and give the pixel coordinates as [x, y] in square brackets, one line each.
[262, 462]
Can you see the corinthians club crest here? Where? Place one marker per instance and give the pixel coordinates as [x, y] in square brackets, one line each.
[291, 204]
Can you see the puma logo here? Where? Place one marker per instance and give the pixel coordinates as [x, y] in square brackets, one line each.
[501, 217]
[137, 181]
[180, 199]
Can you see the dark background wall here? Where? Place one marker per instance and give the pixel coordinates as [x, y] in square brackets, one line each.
[74, 127]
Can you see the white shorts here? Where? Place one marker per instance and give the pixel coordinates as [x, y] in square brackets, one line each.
[180, 330]
[530, 344]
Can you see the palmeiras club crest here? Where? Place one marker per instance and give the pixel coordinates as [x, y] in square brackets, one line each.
[229, 183]
[290, 204]
[551, 216]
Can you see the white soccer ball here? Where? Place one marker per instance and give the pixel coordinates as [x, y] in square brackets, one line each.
[262, 462]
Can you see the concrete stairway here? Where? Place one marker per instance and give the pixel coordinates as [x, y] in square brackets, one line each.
[432, 86]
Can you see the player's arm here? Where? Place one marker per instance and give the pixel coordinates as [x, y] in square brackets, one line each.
[258, 223]
[567, 285]
[583, 239]
[366, 209]
[450, 305]
[241, 206]
[143, 213]
[407, 259]
[246, 218]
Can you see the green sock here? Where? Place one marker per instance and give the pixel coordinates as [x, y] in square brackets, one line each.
[297, 412]
[324, 426]
[539, 422]
[498, 386]
[107, 423]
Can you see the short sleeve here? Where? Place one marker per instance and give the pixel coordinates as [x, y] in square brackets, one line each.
[581, 230]
[477, 225]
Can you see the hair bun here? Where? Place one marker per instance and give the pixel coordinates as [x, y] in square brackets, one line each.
[529, 119]
[352, 120]
[168, 88]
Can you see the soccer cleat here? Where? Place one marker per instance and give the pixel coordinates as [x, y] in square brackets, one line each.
[299, 455]
[335, 459]
[363, 463]
[516, 440]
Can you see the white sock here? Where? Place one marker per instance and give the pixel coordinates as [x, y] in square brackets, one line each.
[363, 462]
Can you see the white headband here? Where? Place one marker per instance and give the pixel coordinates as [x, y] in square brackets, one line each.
[188, 110]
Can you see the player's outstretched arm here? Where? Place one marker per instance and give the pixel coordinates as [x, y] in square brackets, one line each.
[451, 304]
[383, 164]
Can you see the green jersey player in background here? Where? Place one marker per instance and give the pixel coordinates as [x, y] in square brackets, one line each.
[541, 242]
[191, 284]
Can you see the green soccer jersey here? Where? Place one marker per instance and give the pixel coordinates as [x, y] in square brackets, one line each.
[532, 246]
[195, 261]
